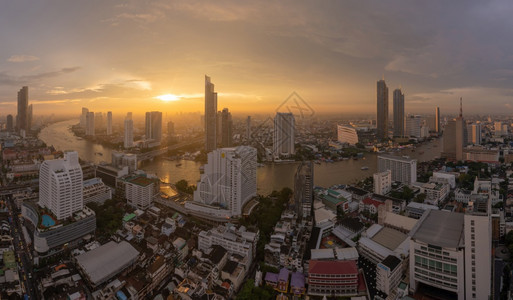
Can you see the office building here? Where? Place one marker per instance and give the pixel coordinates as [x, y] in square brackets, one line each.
[347, 134]
[10, 123]
[437, 120]
[22, 117]
[413, 126]
[303, 189]
[60, 185]
[109, 123]
[96, 191]
[284, 135]
[140, 190]
[210, 116]
[128, 141]
[226, 128]
[398, 113]
[455, 137]
[382, 110]
[83, 117]
[90, 128]
[403, 169]
[474, 134]
[228, 182]
[452, 252]
[29, 117]
[382, 182]
[98, 121]
[153, 126]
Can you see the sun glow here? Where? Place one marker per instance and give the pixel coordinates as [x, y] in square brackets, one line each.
[168, 97]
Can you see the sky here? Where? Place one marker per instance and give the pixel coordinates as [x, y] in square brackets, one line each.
[121, 55]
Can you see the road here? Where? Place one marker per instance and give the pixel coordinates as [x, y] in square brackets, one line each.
[22, 251]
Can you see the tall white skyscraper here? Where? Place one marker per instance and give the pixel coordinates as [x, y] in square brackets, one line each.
[90, 124]
[229, 180]
[60, 185]
[210, 116]
[284, 135]
[109, 123]
[128, 141]
[83, 117]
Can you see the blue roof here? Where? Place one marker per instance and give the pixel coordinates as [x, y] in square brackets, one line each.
[121, 296]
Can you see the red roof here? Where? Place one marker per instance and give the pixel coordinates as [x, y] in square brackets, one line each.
[370, 201]
[332, 267]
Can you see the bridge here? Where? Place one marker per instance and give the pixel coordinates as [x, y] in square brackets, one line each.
[161, 151]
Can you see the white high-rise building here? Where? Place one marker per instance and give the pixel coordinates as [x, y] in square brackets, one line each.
[413, 126]
[347, 134]
[228, 182]
[83, 117]
[109, 123]
[403, 169]
[129, 134]
[60, 185]
[90, 123]
[383, 182]
[284, 135]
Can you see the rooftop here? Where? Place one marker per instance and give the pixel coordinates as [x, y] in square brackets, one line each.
[332, 267]
[389, 238]
[391, 262]
[106, 260]
[141, 180]
[440, 228]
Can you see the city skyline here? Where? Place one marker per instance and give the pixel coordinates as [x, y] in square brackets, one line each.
[435, 63]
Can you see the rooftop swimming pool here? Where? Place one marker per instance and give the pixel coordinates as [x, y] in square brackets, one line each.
[47, 221]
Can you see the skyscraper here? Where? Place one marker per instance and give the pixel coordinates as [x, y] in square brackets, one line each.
[22, 117]
[382, 110]
[303, 189]
[227, 128]
[461, 134]
[170, 128]
[90, 129]
[128, 141]
[474, 131]
[109, 123]
[60, 185]
[398, 113]
[29, 117]
[210, 116]
[83, 117]
[228, 182]
[413, 126]
[153, 125]
[10, 123]
[284, 135]
[455, 137]
[437, 120]
[98, 121]
[248, 128]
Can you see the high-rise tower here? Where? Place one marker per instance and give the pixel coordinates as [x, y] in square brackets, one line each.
[210, 116]
[382, 110]
[398, 113]
[22, 117]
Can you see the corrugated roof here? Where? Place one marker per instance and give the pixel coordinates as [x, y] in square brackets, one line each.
[440, 228]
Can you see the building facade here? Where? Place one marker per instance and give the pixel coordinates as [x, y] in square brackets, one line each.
[347, 134]
[398, 113]
[210, 116]
[382, 110]
[382, 182]
[284, 135]
[403, 169]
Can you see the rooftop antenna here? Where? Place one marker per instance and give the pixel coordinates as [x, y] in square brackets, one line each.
[461, 107]
[383, 78]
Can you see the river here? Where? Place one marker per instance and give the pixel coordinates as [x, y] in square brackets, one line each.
[269, 177]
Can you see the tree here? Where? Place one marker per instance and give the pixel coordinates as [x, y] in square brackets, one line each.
[420, 198]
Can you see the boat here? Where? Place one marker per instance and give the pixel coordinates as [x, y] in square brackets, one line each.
[364, 168]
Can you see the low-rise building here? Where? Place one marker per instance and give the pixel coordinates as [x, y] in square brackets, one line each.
[332, 278]
[96, 191]
[388, 274]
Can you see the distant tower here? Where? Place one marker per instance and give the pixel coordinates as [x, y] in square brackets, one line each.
[153, 125]
[437, 119]
[109, 123]
[98, 120]
[10, 123]
[210, 116]
[128, 141]
[60, 185]
[83, 117]
[227, 128]
[22, 117]
[284, 135]
[248, 127]
[29, 118]
[90, 130]
[382, 110]
[455, 137]
[398, 113]
[170, 128]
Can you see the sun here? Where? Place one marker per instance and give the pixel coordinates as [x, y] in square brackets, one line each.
[168, 97]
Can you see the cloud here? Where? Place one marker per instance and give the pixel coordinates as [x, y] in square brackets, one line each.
[6, 79]
[22, 58]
